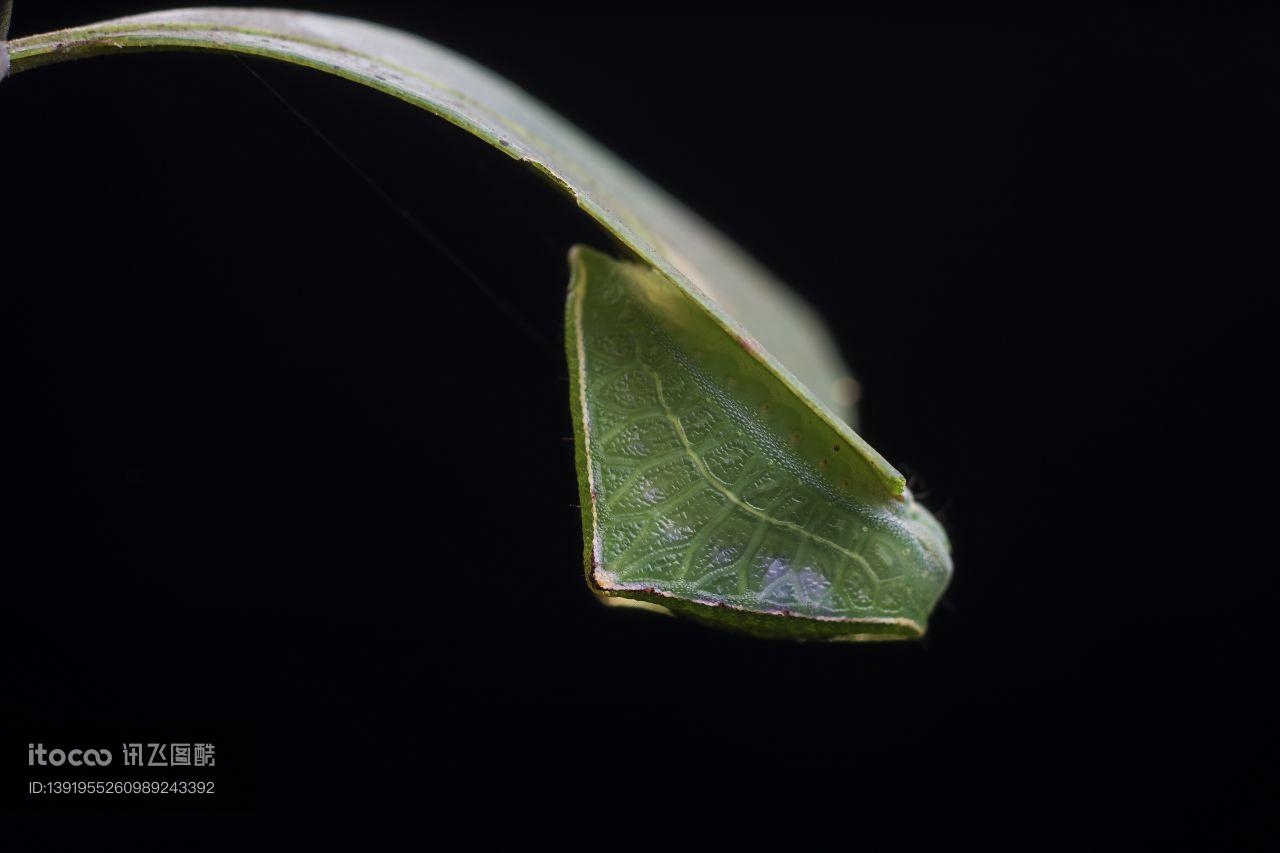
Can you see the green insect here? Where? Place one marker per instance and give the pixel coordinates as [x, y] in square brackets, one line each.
[720, 473]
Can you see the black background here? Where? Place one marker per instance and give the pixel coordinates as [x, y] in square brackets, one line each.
[273, 464]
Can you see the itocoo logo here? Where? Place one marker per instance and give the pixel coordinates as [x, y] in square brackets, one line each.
[37, 754]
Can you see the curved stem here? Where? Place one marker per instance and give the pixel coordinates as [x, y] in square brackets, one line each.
[6, 15]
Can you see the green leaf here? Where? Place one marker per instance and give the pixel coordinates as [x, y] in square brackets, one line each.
[720, 473]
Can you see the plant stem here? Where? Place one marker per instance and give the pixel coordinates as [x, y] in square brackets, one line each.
[6, 14]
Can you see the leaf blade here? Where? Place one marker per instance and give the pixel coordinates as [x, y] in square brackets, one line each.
[727, 283]
[712, 293]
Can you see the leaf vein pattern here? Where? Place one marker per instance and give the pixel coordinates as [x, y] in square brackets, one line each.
[728, 493]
